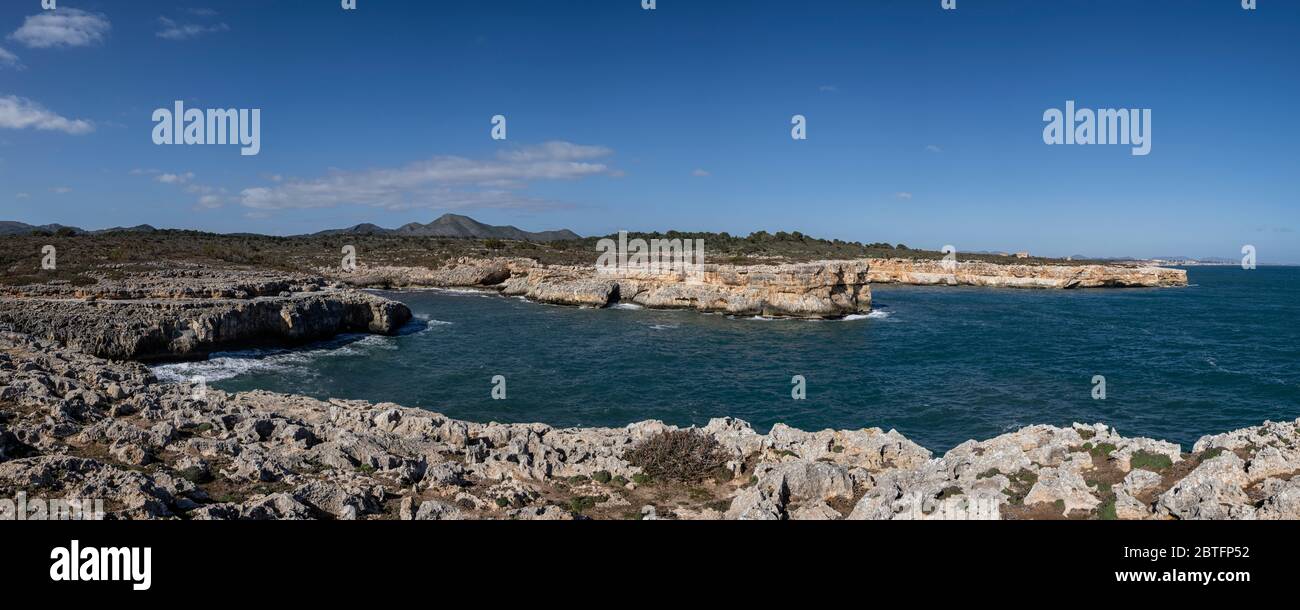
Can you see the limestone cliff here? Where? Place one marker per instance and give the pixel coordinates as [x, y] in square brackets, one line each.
[177, 315]
[822, 289]
[978, 273]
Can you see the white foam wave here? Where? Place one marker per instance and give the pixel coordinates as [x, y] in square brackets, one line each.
[875, 315]
[226, 365]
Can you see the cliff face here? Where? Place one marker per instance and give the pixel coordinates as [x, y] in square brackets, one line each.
[71, 423]
[977, 273]
[822, 289]
[807, 290]
[177, 317]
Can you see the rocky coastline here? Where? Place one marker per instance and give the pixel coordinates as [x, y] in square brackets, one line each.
[819, 289]
[979, 273]
[76, 425]
[191, 312]
[81, 417]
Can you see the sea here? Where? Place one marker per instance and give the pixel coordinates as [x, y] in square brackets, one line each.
[939, 364]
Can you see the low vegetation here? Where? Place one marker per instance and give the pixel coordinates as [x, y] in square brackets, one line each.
[684, 456]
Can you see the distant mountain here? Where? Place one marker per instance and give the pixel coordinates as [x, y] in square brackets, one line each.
[135, 229]
[364, 228]
[9, 227]
[455, 225]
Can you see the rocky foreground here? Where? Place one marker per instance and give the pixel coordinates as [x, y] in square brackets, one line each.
[73, 425]
[189, 311]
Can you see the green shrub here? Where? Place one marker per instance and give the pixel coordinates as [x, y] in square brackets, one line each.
[585, 503]
[601, 476]
[1156, 462]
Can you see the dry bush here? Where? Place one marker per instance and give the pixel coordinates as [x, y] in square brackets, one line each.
[678, 455]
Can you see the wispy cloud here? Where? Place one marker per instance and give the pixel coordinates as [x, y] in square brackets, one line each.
[441, 182]
[22, 113]
[21, 196]
[700, 173]
[175, 30]
[61, 190]
[65, 27]
[174, 178]
[9, 60]
[933, 148]
[903, 195]
[209, 197]
[828, 89]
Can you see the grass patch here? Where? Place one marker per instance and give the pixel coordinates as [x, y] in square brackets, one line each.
[1210, 454]
[1102, 450]
[1155, 462]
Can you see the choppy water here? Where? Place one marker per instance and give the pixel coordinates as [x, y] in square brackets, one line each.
[941, 365]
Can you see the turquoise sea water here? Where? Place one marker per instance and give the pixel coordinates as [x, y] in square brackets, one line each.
[941, 365]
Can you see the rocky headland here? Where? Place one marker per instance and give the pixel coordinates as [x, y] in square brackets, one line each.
[995, 275]
[818, 289]
[73, 425]
[189, 312]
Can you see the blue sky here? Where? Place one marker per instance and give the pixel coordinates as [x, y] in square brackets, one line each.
[924, 125]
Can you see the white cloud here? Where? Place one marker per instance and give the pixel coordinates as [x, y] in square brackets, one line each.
[932, 148]
[828, 89]
[174, 178]
[903, 195]
[700, 173]
[443, 182]
[175, 30]
[209, 197]
[65, 27]
[211, 201]
[9, 60]
[21, 113]
[61, 190]
[21, 196]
